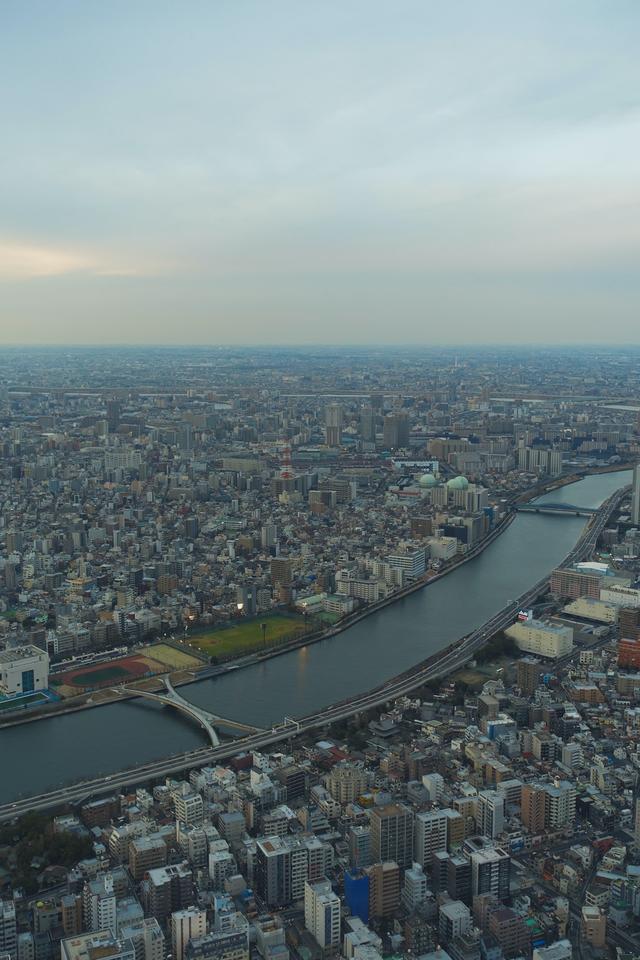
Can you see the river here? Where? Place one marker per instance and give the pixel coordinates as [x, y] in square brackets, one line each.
[40, 756]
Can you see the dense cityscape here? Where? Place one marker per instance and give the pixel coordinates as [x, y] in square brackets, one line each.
[174, 520]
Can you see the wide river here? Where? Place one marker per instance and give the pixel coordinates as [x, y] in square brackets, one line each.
[36, 757]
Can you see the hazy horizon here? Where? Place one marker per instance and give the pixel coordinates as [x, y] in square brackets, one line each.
[334, 174]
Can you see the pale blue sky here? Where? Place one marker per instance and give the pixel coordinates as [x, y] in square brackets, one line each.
[303, 171]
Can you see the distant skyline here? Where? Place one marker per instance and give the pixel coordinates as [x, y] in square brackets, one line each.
[319, 172]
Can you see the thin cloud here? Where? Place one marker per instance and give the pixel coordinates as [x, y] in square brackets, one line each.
[25, 261]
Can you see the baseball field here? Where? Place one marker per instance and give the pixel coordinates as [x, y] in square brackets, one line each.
[156, 659]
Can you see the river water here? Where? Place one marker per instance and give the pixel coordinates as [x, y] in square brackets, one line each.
[36, 757]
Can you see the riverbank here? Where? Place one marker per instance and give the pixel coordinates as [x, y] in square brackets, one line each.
[107, 697]
[99, 698]
[442, 662]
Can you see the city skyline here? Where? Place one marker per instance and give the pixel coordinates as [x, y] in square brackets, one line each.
[320, 175]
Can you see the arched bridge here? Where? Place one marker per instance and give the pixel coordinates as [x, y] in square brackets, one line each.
[561, 509]
[206, 720]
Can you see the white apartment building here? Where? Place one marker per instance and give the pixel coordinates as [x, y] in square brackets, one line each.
[322, 913]
[430, 834]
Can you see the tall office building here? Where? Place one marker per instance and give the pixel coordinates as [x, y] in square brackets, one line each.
[333, 424]
[392, 834]
[322, 913]
[635, 496]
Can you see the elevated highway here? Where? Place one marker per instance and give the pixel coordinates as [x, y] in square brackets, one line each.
[438, 665]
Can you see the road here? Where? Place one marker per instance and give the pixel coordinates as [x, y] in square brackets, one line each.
[440, 664]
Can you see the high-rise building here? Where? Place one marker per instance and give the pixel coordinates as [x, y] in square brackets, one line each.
[532, 808]
[268, 535]
[392, 834]
[333, 424]
[8, 928]
[229, 942]
[281, 870]
[167, 889]
[459, 878]
[146, 936]
[635, 496]
[185, 926]
[490, 872]
[430, 836]
[346, 782]
[395, 431]
[114, 409]
[454, 920]
[528, 674]
[360, 845]
[384, 889]
[414, 891]
[322, 913]
[510, 931]
[490, 813]
[281, 571]
[593, 926]
[560, 804]
[99, 904]
[367, 424]
[146, 853]
[189, 807]
[629, 654]
[71, 914]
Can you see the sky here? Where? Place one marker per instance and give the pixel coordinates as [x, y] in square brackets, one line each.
[319, 171]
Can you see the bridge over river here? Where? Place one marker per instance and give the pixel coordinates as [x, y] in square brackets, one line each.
[559, 509]
[208, 721]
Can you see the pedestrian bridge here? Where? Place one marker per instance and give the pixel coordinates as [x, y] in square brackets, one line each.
[560, 509]
[208, 721]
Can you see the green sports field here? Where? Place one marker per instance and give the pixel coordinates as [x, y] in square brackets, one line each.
[245, 636]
